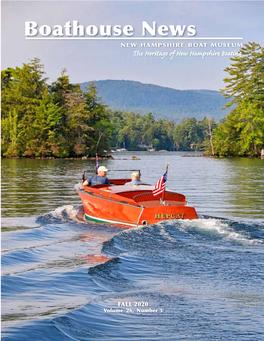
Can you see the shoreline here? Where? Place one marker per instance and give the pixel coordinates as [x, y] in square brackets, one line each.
[224, 157]
[110, 157]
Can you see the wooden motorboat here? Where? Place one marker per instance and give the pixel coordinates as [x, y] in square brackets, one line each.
[131, 206]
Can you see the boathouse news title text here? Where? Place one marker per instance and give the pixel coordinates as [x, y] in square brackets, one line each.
[74, 29]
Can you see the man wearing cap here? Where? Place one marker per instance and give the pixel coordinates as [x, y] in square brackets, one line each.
[135, 180]
[98, 179]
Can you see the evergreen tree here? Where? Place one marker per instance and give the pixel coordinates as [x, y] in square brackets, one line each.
[246, 81]
[58, 120]
[22, 90]
[46, 126]
[99, 121]
[242, 132]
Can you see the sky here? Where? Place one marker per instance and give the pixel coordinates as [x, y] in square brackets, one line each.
[88, 60]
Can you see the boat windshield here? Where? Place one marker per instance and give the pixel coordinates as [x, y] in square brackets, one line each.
[116, 176]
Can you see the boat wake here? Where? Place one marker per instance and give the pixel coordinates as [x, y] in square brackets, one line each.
[240, 233]
[174, 234]
[62, 214]
[206, 228]
[160, 263]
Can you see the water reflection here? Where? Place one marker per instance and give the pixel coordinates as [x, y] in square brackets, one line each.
[62, 270]
[231, 188]
[245, 185]
[96, 257]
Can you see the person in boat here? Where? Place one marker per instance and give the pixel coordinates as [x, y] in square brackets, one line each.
[135, 177]
[98, 179]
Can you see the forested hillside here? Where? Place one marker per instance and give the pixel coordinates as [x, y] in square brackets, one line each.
[163, 102]
[56, 120]
[61, 120]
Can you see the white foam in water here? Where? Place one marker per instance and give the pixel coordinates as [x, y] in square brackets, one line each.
[219, 229]
[166, 234]
[68, 210]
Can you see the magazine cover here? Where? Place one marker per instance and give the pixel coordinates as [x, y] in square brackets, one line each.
[132, 147]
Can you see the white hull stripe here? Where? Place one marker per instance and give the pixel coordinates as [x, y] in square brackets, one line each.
[89, 217]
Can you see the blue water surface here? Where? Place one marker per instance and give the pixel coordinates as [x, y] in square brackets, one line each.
[65, 279]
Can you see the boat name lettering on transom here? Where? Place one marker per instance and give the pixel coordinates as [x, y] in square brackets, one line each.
[169, 216]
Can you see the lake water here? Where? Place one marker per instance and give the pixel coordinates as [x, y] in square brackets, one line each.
[65, 279]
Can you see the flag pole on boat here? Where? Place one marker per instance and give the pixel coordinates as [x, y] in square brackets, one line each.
[166, 172]
[160, 186]
[96, 164]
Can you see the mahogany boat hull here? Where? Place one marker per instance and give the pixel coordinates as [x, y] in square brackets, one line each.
[103, 207]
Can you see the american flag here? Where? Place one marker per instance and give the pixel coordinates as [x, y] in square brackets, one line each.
[96, 164]
[160, 185]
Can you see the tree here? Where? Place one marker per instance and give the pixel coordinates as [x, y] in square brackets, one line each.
[77, 123]
[185, 134]
[21, 96]
[58, 120]
[98, 120]
[247, 80]
[10, 136]
[46, 126]
[242, 133]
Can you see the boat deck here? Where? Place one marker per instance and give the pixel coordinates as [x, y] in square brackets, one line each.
[135, 195]
[132, 205]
